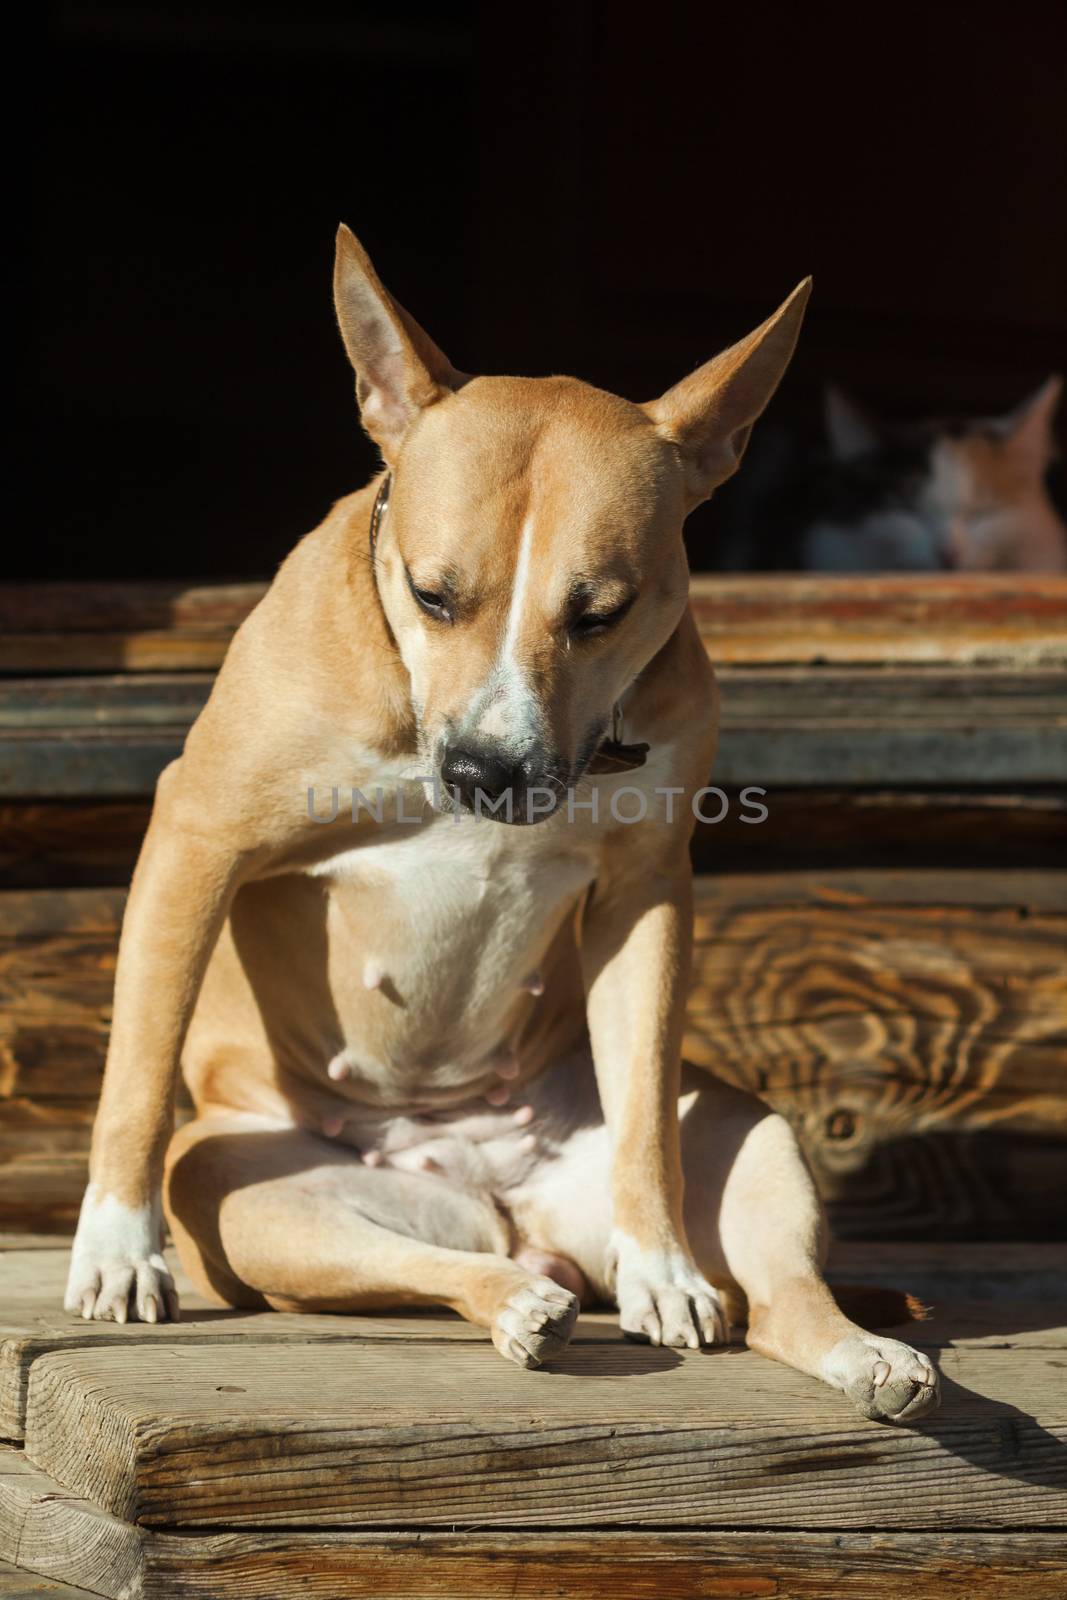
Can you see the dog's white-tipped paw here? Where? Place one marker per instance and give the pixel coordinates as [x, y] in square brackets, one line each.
[535, 1322]
[117, 1273]
[885, 1380]
[664, 1300]
[122, 1291]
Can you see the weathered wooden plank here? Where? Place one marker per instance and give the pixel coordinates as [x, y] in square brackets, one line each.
[974, 695]
[47, 608]
[949, 618]
[999, 1297]
[61, 1534]
[118, 702]
[42, 1190]
[97, 762]
[917, 1048]
[16, 1583]
[937, 1271]
[107, 763]
[139, 627]
[111, 735]
[26, 914]
[778, 751]
[376, 1434]
[33, 1323]
[1008, 618]
[135, 650]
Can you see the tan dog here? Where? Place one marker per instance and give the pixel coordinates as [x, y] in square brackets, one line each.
[435, 1057]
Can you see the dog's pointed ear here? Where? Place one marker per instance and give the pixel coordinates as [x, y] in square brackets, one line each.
[710, 414]
[399, 370]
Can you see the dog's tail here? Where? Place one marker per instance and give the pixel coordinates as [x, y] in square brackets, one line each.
[878, 1308]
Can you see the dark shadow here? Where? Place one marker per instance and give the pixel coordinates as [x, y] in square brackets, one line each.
[997, 1437]
[622, 1360]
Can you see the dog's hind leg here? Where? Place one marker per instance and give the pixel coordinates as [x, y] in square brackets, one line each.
[752, 1211]
[276, 1217]
[755, 1225]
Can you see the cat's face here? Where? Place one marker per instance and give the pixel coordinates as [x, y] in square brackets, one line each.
[967, 497]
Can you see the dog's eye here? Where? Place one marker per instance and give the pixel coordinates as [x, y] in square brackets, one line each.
[430, 600]
[594, 622]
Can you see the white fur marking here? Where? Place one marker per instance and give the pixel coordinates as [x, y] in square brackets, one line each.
[116, 1260]
[510, 711]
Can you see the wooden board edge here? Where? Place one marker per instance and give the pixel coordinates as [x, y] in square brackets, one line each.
[986, 1478]
[68, 1539]
[48, 1531]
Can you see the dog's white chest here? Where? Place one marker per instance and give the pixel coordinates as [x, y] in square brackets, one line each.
[443, 923]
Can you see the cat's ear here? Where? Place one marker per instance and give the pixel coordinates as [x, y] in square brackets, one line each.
[1028, 429]
[851, 430]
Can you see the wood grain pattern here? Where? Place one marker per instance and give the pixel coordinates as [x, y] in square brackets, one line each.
[962, 618]
[917, 1042]
[33, 1323]
[62, 1534]
[74, 627]
[969, 618]
[16, 1583]
[376, 1434]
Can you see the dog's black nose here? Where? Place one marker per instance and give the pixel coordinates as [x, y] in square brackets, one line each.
[502, 783]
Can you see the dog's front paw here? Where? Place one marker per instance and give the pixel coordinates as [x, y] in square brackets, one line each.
[116, 1269]
[663, 1299]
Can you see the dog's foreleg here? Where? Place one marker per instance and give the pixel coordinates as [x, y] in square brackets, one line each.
[636, 942]
[178, 900]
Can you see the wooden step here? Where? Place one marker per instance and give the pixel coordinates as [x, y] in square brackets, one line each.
[963, 618]
[996, 1296]
[266, 1456]
[68, 1537]
[388, 1433]
[952, 679]
[112, 735]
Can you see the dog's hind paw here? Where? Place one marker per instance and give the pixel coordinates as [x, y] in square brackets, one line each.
[535, 1322]
[885, 1380]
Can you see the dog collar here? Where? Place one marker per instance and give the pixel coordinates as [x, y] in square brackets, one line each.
[611, 754]
[381, 502]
